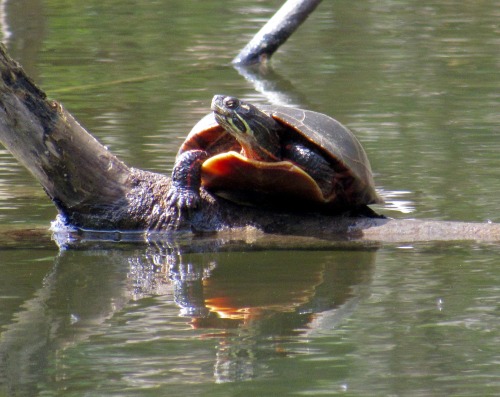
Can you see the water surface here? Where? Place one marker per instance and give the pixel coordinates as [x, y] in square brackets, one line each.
[418, 83]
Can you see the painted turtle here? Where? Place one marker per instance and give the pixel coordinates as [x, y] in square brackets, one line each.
[274, 156]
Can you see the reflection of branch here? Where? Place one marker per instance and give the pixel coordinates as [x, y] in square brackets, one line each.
[276, 89]
[276, 31]
[24, 343]
[85, 288]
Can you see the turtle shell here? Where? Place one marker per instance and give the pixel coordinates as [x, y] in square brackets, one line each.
[231, 175]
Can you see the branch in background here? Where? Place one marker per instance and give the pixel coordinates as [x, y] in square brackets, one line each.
[276, 31]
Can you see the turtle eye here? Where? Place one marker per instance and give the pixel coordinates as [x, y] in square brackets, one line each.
[231, 103]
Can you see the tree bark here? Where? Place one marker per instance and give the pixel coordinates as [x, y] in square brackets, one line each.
[93, 189]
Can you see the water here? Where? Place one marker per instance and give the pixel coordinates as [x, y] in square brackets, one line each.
[418, 83]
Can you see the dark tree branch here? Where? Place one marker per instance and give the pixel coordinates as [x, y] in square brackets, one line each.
[276, 31]
[87, 183]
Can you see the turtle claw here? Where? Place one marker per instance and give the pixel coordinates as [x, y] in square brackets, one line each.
[184, 193]
[183, 199]
[181, 202]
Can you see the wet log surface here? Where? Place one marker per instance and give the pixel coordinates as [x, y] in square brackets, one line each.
[94, 190]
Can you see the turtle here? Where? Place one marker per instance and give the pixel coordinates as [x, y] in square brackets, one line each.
[272, 156]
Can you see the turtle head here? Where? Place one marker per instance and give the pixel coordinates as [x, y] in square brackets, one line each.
[256, 131]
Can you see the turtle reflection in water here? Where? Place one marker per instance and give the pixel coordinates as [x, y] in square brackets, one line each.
[273, 156]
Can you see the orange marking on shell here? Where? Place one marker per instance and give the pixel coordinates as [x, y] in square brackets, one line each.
[229, 173]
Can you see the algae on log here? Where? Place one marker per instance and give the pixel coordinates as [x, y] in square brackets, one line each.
[93, 189]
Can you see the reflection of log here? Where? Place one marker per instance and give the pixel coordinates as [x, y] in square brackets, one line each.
[93, 189]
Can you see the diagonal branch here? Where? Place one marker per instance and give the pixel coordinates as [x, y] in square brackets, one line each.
[276, 31]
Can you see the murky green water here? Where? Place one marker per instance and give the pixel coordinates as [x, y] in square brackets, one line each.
[416, 80]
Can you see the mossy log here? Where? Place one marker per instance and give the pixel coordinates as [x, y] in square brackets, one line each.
[93, 189]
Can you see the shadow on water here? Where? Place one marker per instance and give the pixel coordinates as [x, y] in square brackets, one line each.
[248, 299]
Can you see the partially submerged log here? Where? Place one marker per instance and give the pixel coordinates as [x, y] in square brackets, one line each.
[275, 32]
[93, 189]
[87, 183]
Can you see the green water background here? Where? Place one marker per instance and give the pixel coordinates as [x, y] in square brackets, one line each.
[417, 81]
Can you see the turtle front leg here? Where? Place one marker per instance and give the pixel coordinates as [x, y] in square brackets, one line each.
[184, 192]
